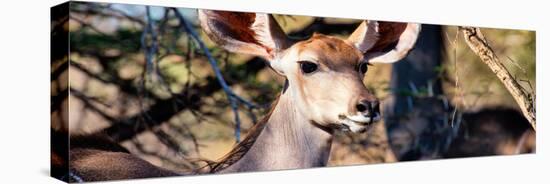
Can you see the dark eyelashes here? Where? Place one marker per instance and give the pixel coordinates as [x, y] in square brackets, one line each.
[308, 67]
[363, 67]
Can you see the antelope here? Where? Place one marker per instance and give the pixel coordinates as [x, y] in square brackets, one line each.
[323, 93]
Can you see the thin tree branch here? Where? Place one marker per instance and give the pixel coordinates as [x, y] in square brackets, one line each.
[149, 50]
[105, 11]
[477, 42]
[233, 98]
[125, 86]
[86, 100]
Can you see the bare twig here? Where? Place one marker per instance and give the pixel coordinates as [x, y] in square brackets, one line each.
[107, 11]
[123, 14]
[87, 102]
[457, 79]
[184, 130]
[184, 163]
[233, 98]
[476, 41]
[150, 50]
[516, 64]
[86, 24]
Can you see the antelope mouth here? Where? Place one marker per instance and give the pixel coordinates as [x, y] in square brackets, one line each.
[358, 123]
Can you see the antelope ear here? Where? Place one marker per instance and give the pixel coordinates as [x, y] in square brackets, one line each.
[384, 42]
[246, 33]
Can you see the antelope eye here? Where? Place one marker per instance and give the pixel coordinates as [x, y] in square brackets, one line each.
[308, 67]
[363, 67]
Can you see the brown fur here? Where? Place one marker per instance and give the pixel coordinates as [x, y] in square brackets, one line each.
[334, 54]
[100, 165]
[286, 138]
[97, 158]
[242, 147]
[329, 50]
[288, 141]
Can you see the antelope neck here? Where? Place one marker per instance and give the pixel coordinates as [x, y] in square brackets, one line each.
[288, 141]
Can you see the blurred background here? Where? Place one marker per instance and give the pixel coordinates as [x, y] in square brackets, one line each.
[137, 74]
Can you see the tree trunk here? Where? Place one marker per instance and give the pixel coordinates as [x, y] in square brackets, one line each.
[416, 117]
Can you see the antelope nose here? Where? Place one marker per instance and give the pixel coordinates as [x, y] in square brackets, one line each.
[368, 108]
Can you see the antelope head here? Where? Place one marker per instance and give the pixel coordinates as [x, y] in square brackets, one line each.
[324, 74]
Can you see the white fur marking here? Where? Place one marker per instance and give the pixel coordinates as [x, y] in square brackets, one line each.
[359, 123]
